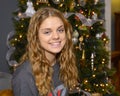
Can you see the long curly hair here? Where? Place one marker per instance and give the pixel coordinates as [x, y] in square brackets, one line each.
[41, 68]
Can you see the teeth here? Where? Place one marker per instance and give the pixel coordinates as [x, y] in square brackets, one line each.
[55, 44]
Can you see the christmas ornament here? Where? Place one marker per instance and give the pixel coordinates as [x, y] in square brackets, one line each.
[92, 61]
[75, 34]
[81, 39]
[83, 19]
[104, 38]
[42, 1]
[67, 15]
[98, 36]
[21, 15]
[94, 16]
[82, 2]
[96, 1]
[12, 63]
[83, 54]
[10, 50]
[30, 9]
[9, 37]
[96, 94]
[6, 92]
[83, 27]
[75, 40]
[72, 5]
[56, 1]
[81, 44]
[75, 37]
[86, 21]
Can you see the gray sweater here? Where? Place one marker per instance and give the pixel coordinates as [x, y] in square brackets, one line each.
[23, 82]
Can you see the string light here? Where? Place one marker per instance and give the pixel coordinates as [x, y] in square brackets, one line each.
[37, 3]
[106, 84]
[97, 85]
[103, 89]
[78, 5]
[22, 26]
[93, 75]
[86, 81]
[94, 69]
[76, 25]
[101, 22]
[61, 5]
[16, 39]
[20, 36]
[19, 14]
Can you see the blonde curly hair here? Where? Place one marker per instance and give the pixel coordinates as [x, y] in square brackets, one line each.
[35, 53]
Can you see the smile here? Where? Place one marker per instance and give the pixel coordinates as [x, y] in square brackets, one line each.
[56, 44]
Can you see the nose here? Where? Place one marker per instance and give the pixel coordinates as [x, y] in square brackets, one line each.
[55, 35]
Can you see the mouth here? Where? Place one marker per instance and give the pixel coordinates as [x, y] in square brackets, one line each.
[55, 44]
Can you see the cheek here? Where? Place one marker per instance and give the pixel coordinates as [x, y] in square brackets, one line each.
[43, 41]
[64, 40]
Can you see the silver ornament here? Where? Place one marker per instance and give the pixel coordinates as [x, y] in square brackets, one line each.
[75, 34]
[56, 1]
[75, 40]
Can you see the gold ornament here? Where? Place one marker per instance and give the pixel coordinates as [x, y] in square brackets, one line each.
[42, 1]
[81, 39]
[96, 94]
[7, 92]
[83, 54]
[72, 5]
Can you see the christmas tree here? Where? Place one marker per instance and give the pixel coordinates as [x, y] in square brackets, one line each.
[89, 38]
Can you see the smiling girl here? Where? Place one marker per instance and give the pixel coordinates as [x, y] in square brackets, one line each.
[48, 68]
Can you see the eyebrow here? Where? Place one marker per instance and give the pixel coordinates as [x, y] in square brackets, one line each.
[50, 28]
[60, 26]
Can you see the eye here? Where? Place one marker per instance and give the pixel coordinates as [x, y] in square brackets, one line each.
[46, 32]
[61, 30]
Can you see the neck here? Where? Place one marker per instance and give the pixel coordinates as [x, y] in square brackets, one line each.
[51, 58]
[53, 62]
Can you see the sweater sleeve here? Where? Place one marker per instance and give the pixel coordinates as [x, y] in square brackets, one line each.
[23, 83]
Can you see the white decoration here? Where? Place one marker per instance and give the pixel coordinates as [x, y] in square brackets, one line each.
[30, 9]
[98, 36]
[10, 50]
[13, 63]
[94, 16]
[9, 37]
[21, 15]
[82, 2]
[96, 1]
[87, 21]
[67, 15]
[83, 19]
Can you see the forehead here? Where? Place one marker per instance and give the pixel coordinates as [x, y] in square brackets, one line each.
[51, 22]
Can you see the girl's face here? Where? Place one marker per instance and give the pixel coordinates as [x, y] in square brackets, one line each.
[52, 35]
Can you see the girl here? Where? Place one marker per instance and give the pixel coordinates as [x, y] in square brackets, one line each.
[48, 67]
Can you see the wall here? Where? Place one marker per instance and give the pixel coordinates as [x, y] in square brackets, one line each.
[115, 7]
[6, 9]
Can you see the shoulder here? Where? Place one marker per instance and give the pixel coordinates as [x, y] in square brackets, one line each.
[23, 70]
[23, 82]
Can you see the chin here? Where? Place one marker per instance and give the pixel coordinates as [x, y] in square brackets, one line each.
[56, 51]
